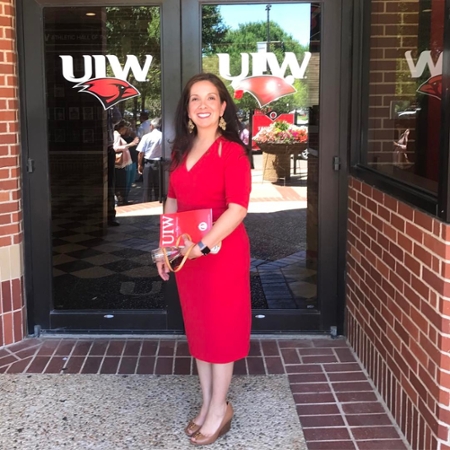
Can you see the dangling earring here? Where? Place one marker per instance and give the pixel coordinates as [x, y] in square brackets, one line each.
[191, 126]
[222, 123]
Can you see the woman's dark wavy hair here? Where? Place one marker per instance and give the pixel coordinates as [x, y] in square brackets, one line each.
[183, 139]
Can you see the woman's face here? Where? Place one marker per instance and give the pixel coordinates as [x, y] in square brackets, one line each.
[205, 107]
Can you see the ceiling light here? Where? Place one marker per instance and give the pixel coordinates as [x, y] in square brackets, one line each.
[91, 14]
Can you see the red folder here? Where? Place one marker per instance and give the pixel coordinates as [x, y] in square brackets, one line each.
[195, 223]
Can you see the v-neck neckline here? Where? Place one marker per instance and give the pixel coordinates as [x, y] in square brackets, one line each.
[201, 157]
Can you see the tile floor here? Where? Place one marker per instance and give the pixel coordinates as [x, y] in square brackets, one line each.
[336, 403]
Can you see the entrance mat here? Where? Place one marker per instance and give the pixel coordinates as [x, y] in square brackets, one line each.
[120, 292]
[138, 412]
[258, 298]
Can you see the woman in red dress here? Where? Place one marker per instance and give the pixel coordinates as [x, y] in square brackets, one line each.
[211, 169]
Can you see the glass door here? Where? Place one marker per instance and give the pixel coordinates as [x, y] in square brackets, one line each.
[280, 62]
[93, 75]
[96, 162]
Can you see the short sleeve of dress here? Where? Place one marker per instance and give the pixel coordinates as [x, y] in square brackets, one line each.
[238, 180]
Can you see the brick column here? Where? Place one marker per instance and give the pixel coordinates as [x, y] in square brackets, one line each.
[12, 311]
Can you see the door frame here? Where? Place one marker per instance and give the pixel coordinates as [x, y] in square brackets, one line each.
[335, 82]
[36, 186]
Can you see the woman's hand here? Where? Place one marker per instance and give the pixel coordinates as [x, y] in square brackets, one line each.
[163, 270]
[194, 253]
[133, 143]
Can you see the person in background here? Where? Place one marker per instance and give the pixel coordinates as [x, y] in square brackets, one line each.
[245, 138]
[122, 147]
[245, 134]
[144, 127]
[149, 160]
[113, 116]
[211, 169]
[400, 151]
[131, 172]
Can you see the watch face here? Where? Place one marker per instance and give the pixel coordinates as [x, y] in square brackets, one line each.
[216, 248]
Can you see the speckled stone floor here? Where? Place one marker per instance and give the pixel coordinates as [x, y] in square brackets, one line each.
[139, 412]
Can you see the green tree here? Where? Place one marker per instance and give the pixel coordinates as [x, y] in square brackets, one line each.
[213, 29]
[135, 30]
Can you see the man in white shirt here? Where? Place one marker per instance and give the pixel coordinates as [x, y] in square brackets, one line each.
[144, 127]
[150, 154]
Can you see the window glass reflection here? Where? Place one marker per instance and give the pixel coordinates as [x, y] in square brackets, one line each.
[268, 55]
[405, 81]
[103, 75]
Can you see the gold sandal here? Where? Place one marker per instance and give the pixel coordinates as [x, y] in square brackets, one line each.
[224, 428]
[191, 428]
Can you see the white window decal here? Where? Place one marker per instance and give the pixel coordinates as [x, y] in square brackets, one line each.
[108, 90]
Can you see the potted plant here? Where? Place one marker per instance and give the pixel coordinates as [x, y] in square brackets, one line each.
[278, 142]
[281, 136]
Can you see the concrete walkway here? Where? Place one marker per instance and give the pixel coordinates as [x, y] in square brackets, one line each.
[139, 412]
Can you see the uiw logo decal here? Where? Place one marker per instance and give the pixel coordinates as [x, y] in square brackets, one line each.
[108, 90]
[264, 88]
[433, 86]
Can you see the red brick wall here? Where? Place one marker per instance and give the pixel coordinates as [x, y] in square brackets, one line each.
[11, 272]
[398, 310]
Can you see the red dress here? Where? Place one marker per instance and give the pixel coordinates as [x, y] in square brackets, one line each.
[215, 289]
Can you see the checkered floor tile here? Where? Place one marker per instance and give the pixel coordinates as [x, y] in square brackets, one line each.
[101, 267]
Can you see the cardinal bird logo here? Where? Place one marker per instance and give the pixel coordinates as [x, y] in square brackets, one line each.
[109, 91]
[432, 87]
[265, 88]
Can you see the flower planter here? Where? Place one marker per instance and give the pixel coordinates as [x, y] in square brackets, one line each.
[277, 159]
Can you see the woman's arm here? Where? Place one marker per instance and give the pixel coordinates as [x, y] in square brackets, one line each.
[120, 144]
[170, 206]
[224, 226]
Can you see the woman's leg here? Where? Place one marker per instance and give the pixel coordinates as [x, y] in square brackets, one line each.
[206, 377]
[120, 185]
[131, 173]
[221, 379]
[127, 186]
